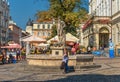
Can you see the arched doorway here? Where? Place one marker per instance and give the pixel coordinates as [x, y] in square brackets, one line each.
[103, 37]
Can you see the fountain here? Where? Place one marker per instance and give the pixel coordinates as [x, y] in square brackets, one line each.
[54, 60]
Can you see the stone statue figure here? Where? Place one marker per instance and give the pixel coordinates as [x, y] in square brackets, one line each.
[61, 32]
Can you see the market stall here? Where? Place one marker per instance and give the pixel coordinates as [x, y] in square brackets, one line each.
[11, 50]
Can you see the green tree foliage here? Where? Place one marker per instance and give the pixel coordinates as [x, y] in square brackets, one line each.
[72, 12]
[43, 15]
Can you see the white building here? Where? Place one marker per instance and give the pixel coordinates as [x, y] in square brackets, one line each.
[103, 24]
[4, 20]
[100, 7]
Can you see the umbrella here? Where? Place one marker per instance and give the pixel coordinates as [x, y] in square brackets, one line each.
[69, 38]
[33, 39]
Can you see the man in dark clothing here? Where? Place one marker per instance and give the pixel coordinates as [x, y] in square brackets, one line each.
[18, 55]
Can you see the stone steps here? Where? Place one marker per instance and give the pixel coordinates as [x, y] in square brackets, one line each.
[48, 69]
[45, 69]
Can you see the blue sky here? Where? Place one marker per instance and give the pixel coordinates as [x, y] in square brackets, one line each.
[22, 10]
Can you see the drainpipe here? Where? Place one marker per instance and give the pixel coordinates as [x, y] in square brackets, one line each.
[111, 20]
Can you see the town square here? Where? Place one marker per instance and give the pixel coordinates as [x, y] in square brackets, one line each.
[60, 40]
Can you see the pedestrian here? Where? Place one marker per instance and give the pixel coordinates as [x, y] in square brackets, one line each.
[88, 50]
[4, 57]
[10, 59]
[18, 54]
[65, 62]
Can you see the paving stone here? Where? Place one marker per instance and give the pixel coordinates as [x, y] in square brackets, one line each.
[109, 72]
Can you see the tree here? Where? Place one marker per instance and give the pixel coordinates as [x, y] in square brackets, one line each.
[70, 11]
[43, 15]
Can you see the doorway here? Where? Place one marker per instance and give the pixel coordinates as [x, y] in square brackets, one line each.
[104, 37]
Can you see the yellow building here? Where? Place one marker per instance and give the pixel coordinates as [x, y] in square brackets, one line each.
[41, 29]
[14, 32]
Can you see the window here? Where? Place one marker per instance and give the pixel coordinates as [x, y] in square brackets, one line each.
[43, 26]
[48, 34]
[48, 26]
[38, 26]
[39, 34]
[43, 33]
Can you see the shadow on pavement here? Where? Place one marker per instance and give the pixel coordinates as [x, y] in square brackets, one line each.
[88, 78]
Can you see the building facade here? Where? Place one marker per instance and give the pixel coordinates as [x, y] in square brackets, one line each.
[103, 23]
[14, 33]
[116, 22]
[4, 20]
[41, 29]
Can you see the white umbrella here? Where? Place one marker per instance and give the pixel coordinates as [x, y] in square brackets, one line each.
[33, 39]
[69, 37]
[53, 39]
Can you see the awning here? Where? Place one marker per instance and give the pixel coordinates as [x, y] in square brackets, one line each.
[15, 45]
[86, 24]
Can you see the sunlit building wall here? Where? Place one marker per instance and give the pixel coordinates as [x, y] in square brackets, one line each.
[101, 11]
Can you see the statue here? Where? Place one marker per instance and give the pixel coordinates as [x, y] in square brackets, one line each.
[61, 32]
[59, 48]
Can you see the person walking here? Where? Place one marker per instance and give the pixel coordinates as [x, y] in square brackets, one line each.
[4, 57]
[18, 54]
[65, 62]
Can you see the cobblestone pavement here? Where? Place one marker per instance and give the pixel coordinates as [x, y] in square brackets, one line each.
[109, 72]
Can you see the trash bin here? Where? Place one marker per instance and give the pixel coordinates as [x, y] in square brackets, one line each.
[111, 53]
[111, 49]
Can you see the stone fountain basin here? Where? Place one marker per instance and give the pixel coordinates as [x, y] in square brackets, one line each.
[50, 60]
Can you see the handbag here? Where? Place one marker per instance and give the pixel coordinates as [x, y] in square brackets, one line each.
[62, 66]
